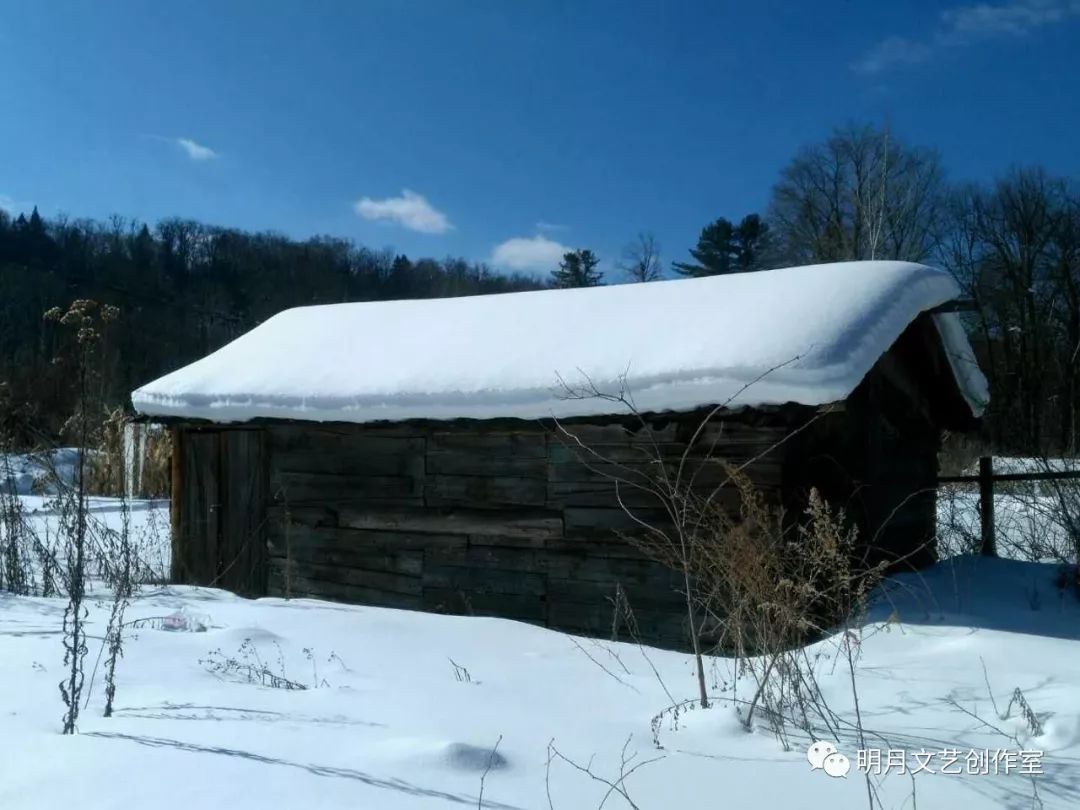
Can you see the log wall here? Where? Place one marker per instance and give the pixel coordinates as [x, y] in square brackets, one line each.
[480, 518]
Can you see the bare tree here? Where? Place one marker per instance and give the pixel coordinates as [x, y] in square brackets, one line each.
[1015, 248]
[861, 194]
[641, 259]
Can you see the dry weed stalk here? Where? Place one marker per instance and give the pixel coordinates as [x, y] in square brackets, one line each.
[758, 584]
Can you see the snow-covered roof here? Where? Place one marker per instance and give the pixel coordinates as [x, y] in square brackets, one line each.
[802, 334]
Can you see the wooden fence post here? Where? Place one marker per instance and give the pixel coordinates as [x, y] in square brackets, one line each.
[986, 505]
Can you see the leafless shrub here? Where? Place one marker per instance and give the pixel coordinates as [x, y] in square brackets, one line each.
[629, 763]
[46, 561]
[757, 584]
[671, 714]
[28, 561]
[335, 658]
[73, 519]
[787, 590]
[123, 589]
[671, 486]
[84, 321]
[316, 681]
[1018, 700]
[247, 666]
[156, 478]
[487, 769]
[461, 674]
[1034, 725]
[16, 538]
[105, 465]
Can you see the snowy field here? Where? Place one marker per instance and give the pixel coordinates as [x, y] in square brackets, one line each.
[403, 710]
[27, 473]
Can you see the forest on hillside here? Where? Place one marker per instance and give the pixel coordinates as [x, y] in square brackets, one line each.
[185, 288]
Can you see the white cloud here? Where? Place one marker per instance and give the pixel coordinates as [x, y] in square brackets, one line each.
[196, 151]
[12, 206]
[892, 51]
[531, 254]
[410, 210]
[965, 25]
[548, 227]
[1018, 17]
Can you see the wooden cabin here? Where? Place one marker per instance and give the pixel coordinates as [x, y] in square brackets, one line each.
[427, 454]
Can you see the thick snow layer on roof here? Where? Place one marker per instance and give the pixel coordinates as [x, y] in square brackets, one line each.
[803, 334]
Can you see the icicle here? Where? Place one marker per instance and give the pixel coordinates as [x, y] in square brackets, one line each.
[128, 440]
[141, 459]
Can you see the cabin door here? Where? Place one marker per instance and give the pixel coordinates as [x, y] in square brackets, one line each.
[223, 500]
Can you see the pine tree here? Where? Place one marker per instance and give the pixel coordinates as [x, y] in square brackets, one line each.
[36, 224]
[751, 243]
[726, 248]
[714, 251]
[577, 269]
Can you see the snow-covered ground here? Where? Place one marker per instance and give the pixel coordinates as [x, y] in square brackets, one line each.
[403, 709]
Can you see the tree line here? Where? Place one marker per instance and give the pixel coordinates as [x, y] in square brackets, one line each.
[185, 288]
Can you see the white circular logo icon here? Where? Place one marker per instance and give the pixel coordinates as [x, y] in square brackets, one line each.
[837, 765]
[817, 753]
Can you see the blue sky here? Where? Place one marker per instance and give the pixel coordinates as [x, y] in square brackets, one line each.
[455, 128]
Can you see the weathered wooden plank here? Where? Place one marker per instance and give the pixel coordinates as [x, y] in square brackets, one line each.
[520, 455]
[314, 515]
[476, 581]
[502, 541]
[664, 628]
[700, 474]
[591, 434]
[519, 523]
[306, 488]
[561, 494]
[353, 456]
[481, 557]
[178, 497]
[281, 538]
[595, 519]
[299, 586]
[671, 453]
[379, 580]
[407, 562]
[243, 497]
[200, 515]
[605, 545]
[651, 596]
[512, 606]
[586, 568]
[300, 434]
[672, 433]
[525, 443]
[484, 492]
